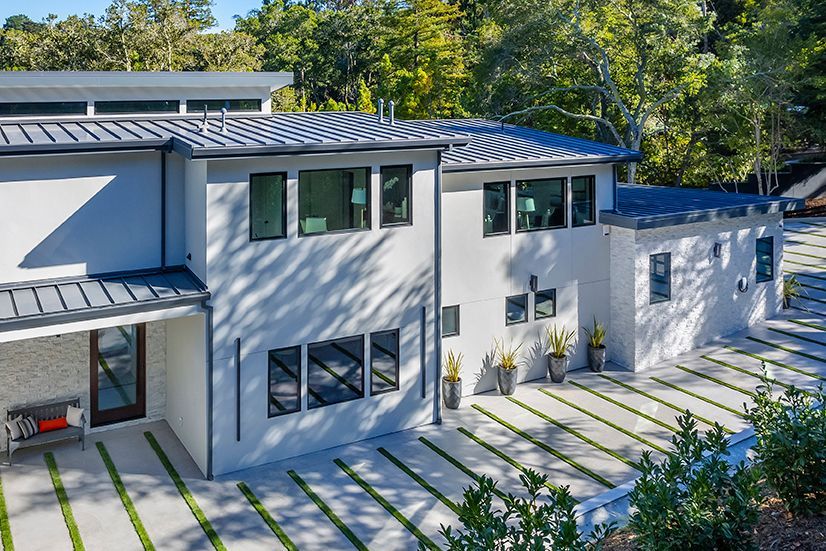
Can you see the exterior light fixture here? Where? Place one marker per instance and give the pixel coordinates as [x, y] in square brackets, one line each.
[718, 250]
[743, 284]
[534, 283]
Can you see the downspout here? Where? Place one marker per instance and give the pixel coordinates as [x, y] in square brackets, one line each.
[208, 309]
[437, 276]
[163, 209]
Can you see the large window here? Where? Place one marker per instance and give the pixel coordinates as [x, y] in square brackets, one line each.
[450, 321]
[582, 201]
[333, 200]
[335, 371]
[497, 208]
[150, 106]
[395, 195]
[284, 380]
[765, 259]
[231, 105]
[540, 204]
[268, 200]
[659, 277]
[384, 361]
[516, 309]
[545, 304]
[22, 109]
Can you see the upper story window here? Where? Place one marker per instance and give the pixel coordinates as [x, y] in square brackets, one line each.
[268, 206]
[231, 105]
[540, 204]
[583, 208]
[395, 195]
[23, 109]
[497, 208]
[765, 259]
[659, 278]
[137, 107]
[333, 200]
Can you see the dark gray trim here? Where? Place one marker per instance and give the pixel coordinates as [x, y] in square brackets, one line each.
[238, 389]
[437, 284]
[163, 208]
[86, 147]
[541, 163]
[619, 219]
[423, 350]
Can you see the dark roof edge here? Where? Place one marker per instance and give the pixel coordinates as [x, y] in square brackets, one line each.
[540, 163]
[85, 147]
[102, 275]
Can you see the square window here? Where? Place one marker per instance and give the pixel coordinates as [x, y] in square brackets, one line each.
[268, 204]
[583, 193]
[497, 209]
[284, 380]
[333, 200]
[516, 309]
[450, 321]
[765, 259]
[659, 277]
[545, 304]
[384, 361]
[395, 195]
[540, 204]
[335, 371]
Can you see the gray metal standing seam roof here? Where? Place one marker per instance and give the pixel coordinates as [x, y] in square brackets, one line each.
[62, 300]
[642, 207]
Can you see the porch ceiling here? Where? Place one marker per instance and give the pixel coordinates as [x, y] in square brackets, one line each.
[41, 303]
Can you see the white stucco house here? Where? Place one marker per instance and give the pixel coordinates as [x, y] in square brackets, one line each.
[273, 284]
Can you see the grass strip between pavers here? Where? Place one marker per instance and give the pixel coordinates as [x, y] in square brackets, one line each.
[810, 255]
[699, 397]
[805, 295]
[796, 336]
[419, 480]
[778, 364]
[267, 517]
[794, 242]
[666, 403]
[63, 500]
[334, 518]
[744, 371]
[185, 493]
[813, 276]
[389, 507]
[6, 542]
[545, 447]
[458, 464]
[813, 234]
[124, 497]
[809, 324]
[807, 264]
[715, 380]
[627, 408]
[573, 432]
[787, 349]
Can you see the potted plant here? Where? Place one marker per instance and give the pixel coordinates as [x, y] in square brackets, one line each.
[560, 342]
[596, 346]
[507, 363]
[452, 382]
[791, 291]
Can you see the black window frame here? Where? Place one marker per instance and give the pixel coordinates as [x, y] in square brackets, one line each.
[227, 104]
[757, 275]
[47, 108]
[509, 300]
[409, 221]
[270, 414]
[485, 187]
[652, 265]
[283, 206]
[398, 361]
[564, 206]
[545, 292]
[172, 102]
[592, 182]
[458, 320]
[363, 366]
[368, 208]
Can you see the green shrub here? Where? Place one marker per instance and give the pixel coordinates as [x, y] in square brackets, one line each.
[525, 524]
[694, 499]
[791, 446]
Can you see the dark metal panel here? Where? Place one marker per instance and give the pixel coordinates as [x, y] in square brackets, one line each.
[117, 291]
[72, 296]
[95, 294]
[160, 285]
[140, 288]
[183, 282]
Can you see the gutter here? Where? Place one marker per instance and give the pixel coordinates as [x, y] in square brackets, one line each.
[209, 390]
[437, 276]
[541, 163]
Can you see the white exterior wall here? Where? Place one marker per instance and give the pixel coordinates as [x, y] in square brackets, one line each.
[705, 302]
[479, 272]
[300, 290]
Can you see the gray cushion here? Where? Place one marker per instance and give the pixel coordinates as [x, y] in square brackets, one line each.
[13, 427]
[51, 436]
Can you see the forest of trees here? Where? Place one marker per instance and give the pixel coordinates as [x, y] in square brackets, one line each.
[709, 90]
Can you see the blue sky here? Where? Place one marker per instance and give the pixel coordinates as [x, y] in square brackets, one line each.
[38, 9]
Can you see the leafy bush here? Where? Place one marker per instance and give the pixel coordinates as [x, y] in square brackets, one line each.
[791, 446]
[525, 525]
[694, 499]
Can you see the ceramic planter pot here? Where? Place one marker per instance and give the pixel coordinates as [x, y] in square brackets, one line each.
[452, 393]
[507, 380]
[557, 368]
[596, 358]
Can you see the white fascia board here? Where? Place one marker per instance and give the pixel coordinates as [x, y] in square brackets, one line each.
[142, 79]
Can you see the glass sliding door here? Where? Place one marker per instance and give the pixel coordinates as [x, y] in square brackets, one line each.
[118, 374]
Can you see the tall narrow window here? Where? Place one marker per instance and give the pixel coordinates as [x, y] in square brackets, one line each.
[516, 309]
[765, 259]
[395, 195]
[118, 374]
[384, 361]
[333, 200]
[545, 304]
[284, 380]
[540, 204]
[497, 209]
[335, 371]
[450, 321]
[659, 277]
[582, 201]
[268, 200]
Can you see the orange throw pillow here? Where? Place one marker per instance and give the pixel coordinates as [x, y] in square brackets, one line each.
[53, 424]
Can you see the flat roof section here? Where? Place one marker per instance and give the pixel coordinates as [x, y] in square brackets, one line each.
[642, 207]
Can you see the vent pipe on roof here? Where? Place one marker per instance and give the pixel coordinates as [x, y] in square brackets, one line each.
[381, 110]
[204, 124]
[392, 106]
[223, 120]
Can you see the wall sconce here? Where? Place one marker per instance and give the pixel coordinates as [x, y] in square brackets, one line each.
[718, 250]
[534, 283]
[743, 284]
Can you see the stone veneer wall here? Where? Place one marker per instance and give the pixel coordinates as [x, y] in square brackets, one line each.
[56, 368]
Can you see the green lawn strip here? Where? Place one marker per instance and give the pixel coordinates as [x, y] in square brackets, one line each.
[787, 251]
[816, 224]
[349, 534]
[716, 380]
[778, 364]
[458, 464]
[611, 424]
[502, 455]
[419, 480]
[787, 349]
[810, 286]
[627, 408]
[821, 278]
[661, 401]
[804, 309]
[796, 263]
[543, 446]
[124, 497]
[572, 431]
[794, 242]
[698, 396]
[796, 336]
[746, 372]
[265, 515]
[813, 299]
[185, 493]
[809, 324]
[412, 528]
[813, 234]
[63, 500]
[5, 528]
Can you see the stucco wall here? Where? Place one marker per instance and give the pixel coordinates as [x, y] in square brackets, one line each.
[705, 302]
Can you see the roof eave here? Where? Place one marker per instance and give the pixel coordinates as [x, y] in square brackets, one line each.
[540, 163]
[86, 147]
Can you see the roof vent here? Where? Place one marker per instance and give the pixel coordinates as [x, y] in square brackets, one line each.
[223, 120]
[392, 106]
[204, 128]
[381, 110]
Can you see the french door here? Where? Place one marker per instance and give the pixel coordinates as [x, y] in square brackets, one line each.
[118, 374]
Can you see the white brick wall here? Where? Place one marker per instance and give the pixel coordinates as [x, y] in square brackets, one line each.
[57, 368]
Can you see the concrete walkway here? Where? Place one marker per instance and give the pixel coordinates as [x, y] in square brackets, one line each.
[394, 491]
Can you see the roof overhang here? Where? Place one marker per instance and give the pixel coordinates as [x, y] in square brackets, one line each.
[540, 163]
[142, 79]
